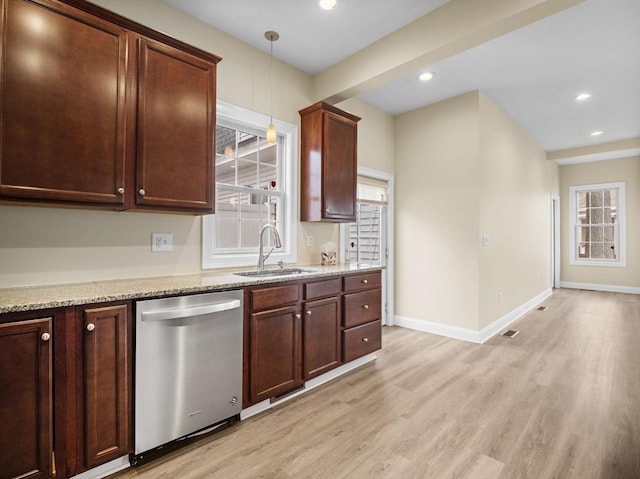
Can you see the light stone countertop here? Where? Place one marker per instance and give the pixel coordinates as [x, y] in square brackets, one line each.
[55, 296]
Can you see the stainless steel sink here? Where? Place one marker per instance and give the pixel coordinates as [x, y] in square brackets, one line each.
[274, 272]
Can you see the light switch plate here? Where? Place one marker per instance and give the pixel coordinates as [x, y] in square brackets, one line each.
[161, 242]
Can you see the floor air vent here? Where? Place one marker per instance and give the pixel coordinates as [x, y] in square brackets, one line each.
[542, 308]
[509, 333]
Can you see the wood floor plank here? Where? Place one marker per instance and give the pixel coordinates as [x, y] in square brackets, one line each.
[559, 400]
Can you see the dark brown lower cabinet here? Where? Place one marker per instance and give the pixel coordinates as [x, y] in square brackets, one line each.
[26, 438]
[275, 362]
[105, 385]
[321, 336]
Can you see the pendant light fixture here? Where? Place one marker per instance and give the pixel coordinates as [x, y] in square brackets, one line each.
[271, 130]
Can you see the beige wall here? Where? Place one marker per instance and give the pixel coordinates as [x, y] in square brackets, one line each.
[464, 169]
[627, 170]
[516, 183]
[436, 222]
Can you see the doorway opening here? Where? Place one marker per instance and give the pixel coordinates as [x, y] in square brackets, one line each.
[369, 240]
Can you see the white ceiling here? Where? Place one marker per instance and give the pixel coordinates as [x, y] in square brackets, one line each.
[533, 73]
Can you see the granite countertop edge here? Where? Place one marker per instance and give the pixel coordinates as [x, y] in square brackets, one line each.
[30, 298]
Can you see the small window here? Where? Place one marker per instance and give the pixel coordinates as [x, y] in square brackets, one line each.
[598, 224]
[254, 187]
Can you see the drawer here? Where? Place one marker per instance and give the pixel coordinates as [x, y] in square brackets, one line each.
[361, 307]
[355, 282]
[361, 340]
[271, 296]
[320, 289]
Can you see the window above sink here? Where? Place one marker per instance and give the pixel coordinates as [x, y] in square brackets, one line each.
[255, 185]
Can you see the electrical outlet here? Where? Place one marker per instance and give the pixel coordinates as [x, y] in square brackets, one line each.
[309, 240]
[485, 240]
[161, 242]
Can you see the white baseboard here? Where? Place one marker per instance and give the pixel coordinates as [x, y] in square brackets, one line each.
[472, 335]
[312, 383]
[600, 287]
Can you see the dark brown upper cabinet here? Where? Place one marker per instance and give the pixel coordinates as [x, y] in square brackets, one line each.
[328, 164]
[99, 111]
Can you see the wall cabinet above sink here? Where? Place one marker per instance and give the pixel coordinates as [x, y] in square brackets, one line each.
[99, 111]
[328, 164]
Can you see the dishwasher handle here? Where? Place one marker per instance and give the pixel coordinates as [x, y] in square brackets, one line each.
[186, 312]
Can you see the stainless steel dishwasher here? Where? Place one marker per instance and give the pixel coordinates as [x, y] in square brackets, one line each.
[188, 373]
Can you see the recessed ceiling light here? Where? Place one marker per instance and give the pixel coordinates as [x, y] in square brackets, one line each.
[596, 133]
[328, 4]
[583, 96]
[426, 76]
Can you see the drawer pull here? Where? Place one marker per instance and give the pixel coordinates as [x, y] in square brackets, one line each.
[365, 340]
[365, 306]
[364, 281]
[45, 337]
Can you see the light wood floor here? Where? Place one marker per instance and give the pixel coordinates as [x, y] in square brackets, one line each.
[559, 400]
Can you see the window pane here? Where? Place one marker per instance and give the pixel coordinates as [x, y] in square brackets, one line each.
[227, 204]
[609, 251]
[609, 234]
[596, 198]
[583, 250]
[268, 153]
[596, 233]
[247, 172]
[225, 141]
[582, 199]
[597, 250]
[596, 216]
[268, 177]
[250, 230]
[227, 234]
[583, 234]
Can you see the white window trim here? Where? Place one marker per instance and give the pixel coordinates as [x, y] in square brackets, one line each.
[621, 261]
[237, 115]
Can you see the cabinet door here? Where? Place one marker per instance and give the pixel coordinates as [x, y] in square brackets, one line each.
[62, 129]
[339, 168]
[25, 399]
[176, 124]
[106, 384]
[321, 336]
[275, 352]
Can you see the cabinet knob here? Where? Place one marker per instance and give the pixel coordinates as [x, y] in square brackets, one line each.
[298, 315]
[91, 327]
[365, 340]
[365, 306]
[365, 281]
[121, 191]
[141, 191]
[45, 337]
[308, 313]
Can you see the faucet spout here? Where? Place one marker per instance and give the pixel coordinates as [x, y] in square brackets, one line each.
[278, 244]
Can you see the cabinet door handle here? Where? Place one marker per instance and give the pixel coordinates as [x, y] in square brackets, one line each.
[365, 340]
[121, 191]
[308, 313]
[298, 315]
[45, 337]
[365, 306]
[364, 281]
[141, 192]
[91, 327]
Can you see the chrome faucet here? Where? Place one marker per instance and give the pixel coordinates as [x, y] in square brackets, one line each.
[276, 236]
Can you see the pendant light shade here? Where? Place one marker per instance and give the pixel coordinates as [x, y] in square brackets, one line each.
[271, 134]
[271, 130]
